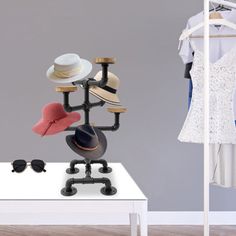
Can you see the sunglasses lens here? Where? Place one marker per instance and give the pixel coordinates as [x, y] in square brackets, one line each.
[19, 165]
[37, 165]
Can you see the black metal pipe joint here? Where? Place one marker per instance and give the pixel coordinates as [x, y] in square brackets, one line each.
[87, 180]
[84, 106]
[114, 127]
[101, 161]
[67, 106]
[75, 162]
[101, 83]
[104, 169]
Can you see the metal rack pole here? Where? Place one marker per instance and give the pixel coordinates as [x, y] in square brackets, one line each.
[206, 118]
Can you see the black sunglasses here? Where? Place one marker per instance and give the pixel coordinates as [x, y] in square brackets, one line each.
[36, 164]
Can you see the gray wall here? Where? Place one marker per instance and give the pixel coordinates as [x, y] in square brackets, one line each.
[143, 35]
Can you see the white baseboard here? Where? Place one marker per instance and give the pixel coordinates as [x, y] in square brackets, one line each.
[190, 218]
[154, 218]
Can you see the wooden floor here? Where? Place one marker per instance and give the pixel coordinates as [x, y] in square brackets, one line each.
[112, 231]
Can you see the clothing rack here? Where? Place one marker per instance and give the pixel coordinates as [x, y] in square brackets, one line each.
[206, 107]
[185, 34]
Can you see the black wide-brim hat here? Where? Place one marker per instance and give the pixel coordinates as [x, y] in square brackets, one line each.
[89, 154]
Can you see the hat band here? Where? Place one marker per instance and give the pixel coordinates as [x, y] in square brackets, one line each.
[110, 89]
[67, 74]
[48, 127]
[85, 148]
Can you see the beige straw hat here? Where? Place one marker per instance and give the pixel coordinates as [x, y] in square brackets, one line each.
[69, 68]
[109, 92]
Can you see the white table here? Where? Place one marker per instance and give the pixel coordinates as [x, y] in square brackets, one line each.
[35, 198]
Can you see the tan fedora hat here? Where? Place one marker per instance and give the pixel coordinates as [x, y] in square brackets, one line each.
[109, 92]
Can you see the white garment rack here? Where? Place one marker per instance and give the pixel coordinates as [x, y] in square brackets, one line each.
[206, 107]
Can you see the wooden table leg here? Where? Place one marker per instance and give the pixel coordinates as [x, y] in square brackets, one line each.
[133, 217]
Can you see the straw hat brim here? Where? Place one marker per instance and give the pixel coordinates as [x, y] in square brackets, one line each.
[58, 126]
[104, 95]
[94, 154]
[86, 68]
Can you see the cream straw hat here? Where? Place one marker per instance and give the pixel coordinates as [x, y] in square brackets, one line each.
[109, 92]
[68, 68]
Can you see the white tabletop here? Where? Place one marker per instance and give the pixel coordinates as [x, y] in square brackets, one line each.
[30, 185]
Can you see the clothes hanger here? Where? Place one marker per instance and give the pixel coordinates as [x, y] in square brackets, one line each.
[214, 20]
[224, 3]
[220, 7]
[215, 14]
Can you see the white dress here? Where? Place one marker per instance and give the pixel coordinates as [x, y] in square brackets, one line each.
[222, 88]
[218, 46]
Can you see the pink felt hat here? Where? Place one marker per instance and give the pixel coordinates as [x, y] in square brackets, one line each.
[54, 119]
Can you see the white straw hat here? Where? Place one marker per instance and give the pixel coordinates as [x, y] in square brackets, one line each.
[107, 93]
[68, 68]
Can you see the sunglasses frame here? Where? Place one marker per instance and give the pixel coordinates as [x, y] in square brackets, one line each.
[28, 163]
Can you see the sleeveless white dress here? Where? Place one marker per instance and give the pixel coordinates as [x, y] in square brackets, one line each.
[222, 83]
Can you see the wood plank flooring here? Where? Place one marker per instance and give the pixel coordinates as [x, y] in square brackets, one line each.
[112, 231]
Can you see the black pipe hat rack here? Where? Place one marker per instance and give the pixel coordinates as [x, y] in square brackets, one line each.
[86, 106]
